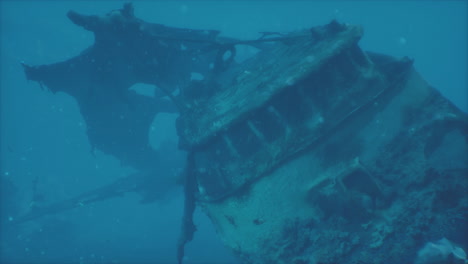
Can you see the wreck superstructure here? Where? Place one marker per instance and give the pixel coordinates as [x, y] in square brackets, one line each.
[310, 151]
[280, 104]
[317, 152]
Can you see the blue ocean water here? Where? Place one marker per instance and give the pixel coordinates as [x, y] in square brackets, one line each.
[43, 134]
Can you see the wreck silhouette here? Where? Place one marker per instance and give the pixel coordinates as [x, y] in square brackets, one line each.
[310, 151]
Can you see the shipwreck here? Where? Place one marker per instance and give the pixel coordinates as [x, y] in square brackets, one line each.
[310, 151]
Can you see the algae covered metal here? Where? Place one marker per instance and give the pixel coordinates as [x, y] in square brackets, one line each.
[317, 152]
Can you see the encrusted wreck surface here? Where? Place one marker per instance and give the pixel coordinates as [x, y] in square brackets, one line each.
[249, 87]
[319, 152]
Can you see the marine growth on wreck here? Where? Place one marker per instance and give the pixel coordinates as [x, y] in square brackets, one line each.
[313, 150]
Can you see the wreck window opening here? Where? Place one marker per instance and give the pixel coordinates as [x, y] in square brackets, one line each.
[269, 125]
[202, 160]
[305, 96]
[220, 150]
[279, 117]
[216, 159]
[230, 147]
[209, 174]
[244, 140]
[290, 104]
[254, 129]
[313, 88]
[212, 184]
[346, 68]
[326, 87]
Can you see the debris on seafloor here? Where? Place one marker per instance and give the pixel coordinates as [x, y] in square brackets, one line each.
[311, 151]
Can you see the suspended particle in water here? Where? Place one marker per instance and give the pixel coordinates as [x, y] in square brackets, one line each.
[184, 9]
[402, 41]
